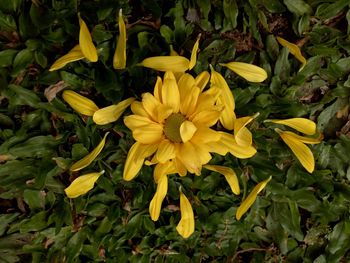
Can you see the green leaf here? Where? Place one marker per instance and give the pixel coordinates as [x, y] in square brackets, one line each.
[231, 11]
[6, 57]
[22, 60]
[298, 7]
[326, 10]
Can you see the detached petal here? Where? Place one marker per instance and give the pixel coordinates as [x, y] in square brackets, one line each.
[304, 139]
[293, 49]
[239, 151]
[229, 174]
[166, 63]
[186, 225]
[119, 58]
[187, 130]
[301, 151]
[88, 159]
[73, 55]
[243, 136]
[247, 71]
[79, 103]
[85, 41]
[248, 202]
[82, 184]
[202, 80]
[157, 200]
[111, 113]
[300, 124]
[193, 59]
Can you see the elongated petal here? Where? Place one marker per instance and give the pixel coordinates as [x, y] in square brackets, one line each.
[300, 124]
[228, 116]
[166, 63]
[111, 113]
[73, 55]
[79, 103]
[187, 130]
[88, 159]
[247, 71]
[85, 42]
[186, 225]
[207, 117]
[82, 184]
[166, 151]
[227, 97]
[202, 80]
[119, 58]
[136, 121]
[305, 139]
[189, 102]
[170, 94]
[136, 156]
[157, 200]
[157, 91]
[229, 174]
[204, 135]
[138, 109]
[188, 156]
[239, 151]
[193, 59]
[243, 136]
[148, 134]
[249, 201]
[162, 169]
[300, 150]
[294, 49]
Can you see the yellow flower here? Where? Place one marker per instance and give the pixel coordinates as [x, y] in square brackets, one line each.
[296, 142]
[87, 107]
[82, 184]
[85, 49]
[294, 49]
[247, 71]
[249, 201]
[173, 62]
[119, 58]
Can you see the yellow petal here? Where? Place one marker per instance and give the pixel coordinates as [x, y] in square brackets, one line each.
[88, 159]
[136, 121]
[229, 174]
[172, 51]
[247, 71]
[228, 116]
[162, 169]
[170, 94]
[188, 156]
[180, 168]
[204, 135]
[185, 84]
[239, 151]
[138, 109]
[207, 117]
[202, 80]
[187, 130]
[119, 58]
[227, 97]
[166, 63]
[148, 134]
[248, 202]
[193, 59]
[111, 113]
[157, 91]
[294, 49]
[151, 105]
[79, 103]
[85, 42]
[300, 124]
[157, 200]
[189, 101]
[166, 151]
[82, 184]
[300, 150]
[305, 139]
[73, 55]
[203, 153]
[186, 225]
[136, 156]
[243, 136]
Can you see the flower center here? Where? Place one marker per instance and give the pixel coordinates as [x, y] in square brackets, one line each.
[172, 127]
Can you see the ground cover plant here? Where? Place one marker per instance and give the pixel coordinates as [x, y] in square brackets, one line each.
[174, 131]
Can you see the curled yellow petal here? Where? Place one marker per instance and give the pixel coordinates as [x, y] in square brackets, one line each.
[79, 103]
[186, 225]
[119, 58]
[300, 124]
[136, 156]
[85, 42]
[304, 139]
[73, 55]
[300, 150]
[202, 80]
[247, 71]
[229, 174]
[248, 202]
[88, 159]
[82, 184]
[193, 59]
[157, 200]
[111, 113]
[228, 141]
[243, 136]
[166, 63]
[187, 130]
[294, 49]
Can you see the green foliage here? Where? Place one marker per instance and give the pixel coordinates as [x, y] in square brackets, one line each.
[302, 217]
